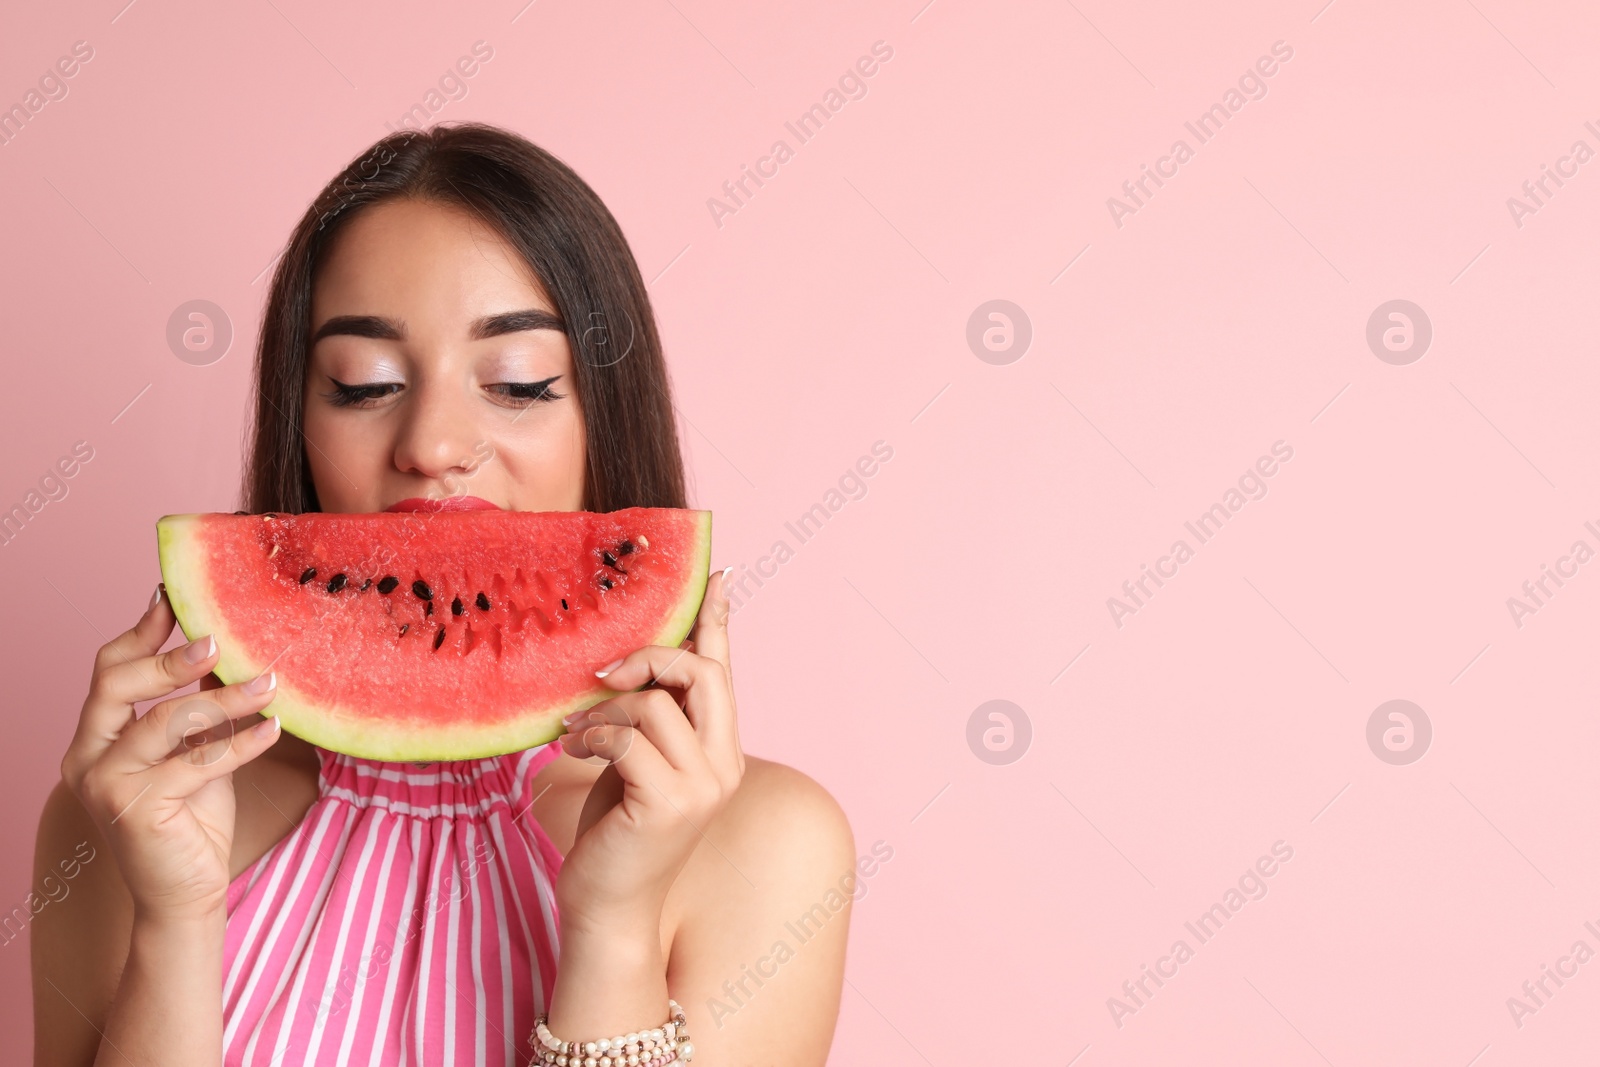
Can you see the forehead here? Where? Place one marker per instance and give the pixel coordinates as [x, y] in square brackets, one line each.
[424, 260]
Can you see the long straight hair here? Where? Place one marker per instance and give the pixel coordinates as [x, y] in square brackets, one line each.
[574, 247]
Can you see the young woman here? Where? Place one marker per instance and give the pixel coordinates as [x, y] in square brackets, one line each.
[458, 321]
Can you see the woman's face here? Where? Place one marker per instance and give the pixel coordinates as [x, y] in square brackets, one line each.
[440, 375]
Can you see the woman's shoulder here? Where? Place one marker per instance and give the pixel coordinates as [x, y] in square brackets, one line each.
[781, 834]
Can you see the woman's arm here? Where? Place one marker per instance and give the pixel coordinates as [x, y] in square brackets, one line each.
[759, 951]
[675, 809]
[757, 925]
[105, 980]
[140, 957]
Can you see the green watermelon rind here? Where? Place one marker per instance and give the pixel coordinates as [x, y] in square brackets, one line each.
[183, 574]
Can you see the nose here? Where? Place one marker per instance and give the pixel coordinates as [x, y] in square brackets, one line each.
[436, 433]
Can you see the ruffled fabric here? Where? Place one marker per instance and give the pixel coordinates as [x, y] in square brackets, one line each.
[409, 919]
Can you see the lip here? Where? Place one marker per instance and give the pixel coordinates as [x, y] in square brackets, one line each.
[449, 503]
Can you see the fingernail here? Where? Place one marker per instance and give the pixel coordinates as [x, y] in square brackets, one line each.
[200, 649]
[262, 683]
[268, 728]
[155, 598]
[608, 668]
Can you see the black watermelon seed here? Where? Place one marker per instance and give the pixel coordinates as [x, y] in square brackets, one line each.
[438, 639]
[387, 585]
[608, 559]
[404, 628]
[625, 548]
[606, 583]
[420, 588]
[482, 602]
[564, 605]
[241, 513]
[427, 608]
[310, 573]
[366, 585]
[336, 583]
[456, 608]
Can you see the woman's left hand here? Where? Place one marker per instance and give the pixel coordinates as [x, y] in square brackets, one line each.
[675, 760]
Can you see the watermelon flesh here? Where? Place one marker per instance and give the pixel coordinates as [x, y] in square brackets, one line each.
[423, 636]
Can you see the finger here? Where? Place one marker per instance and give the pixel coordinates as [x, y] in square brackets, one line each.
[710, 631]
[654, 713]
[144, 638]
[122, 684]
[196, 765]
[707, 689]
[102, 719]
[637, 761]
[171, 724]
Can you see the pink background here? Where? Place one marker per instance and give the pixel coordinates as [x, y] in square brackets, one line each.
[1229, 713]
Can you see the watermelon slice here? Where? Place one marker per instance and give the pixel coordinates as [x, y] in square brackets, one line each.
[422, 636]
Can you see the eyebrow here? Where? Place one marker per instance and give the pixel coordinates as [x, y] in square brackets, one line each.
[385, 329]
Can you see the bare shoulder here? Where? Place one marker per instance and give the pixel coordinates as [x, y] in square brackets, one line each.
[784, 821]
[79, 915]
[781, 837]
[770, 887]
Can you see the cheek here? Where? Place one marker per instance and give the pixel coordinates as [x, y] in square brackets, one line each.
[544, 464]
[347, 458]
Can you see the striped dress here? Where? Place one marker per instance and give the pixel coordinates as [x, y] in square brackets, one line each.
[409, 919]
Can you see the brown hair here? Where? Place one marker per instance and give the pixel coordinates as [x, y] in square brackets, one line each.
[573, 246]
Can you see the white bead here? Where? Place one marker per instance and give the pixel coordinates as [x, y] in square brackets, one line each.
[561, 1060]
[631, 1038]
[686, 1051]
[588, 1048]
[656, 1035]
[633, 1059]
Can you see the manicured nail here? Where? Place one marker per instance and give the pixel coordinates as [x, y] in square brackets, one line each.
[200, 649]
[155, 598]
[268, 728]
[608, 668]
[262, 683]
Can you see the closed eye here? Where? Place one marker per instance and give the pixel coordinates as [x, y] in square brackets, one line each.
[529, 392]
[359, 395]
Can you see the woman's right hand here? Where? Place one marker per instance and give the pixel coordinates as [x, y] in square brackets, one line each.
[159, 786]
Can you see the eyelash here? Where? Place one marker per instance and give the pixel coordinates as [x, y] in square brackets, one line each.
[365, 395]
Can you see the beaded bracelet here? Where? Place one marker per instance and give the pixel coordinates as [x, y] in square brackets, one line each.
[667, 1043]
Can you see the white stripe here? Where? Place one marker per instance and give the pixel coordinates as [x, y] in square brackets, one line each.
[352, 1010]
[547, 892]
[424, 979]
[388, 773]
[520, 777]
[522, 915]
[313, 914]
[545, 896]
[352, 906]
[280, 916]
[452, 952]
[481, 1036]
[275, 861]
[493, 872]
[386, 1002]
[403, 807]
